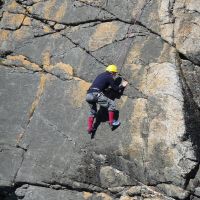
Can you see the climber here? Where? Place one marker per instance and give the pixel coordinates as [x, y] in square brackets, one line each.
[95, 95]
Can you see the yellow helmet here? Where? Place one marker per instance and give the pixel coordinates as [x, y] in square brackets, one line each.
[111, 68]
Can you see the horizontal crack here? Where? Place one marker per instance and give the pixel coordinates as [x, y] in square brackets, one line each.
[132, 35]
[84, 187]
[131, 22]
[71, 185]
[74, 78]
[72, 24]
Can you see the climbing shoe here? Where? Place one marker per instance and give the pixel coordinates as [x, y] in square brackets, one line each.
[115, 124]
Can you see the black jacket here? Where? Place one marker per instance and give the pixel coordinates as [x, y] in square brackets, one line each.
[104, 81]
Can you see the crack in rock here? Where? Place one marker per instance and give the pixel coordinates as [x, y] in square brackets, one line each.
[39, 93]
[60, 132]
[23, 157]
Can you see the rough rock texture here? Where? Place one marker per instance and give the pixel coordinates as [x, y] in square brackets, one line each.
[50, 51]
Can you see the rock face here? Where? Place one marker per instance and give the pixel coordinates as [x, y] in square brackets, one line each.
[50, 51]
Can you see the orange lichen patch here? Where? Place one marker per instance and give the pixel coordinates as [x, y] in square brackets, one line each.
[27, 21]
[166, 126]
[167, 52]
[175, 117]
[158, 125]
[137, 118]
[104, 196]
[87, 195]
[167, 32]
[134, 53]
[182, 32]
[22, 61]
[60, 13]
[40, 91]
[127, 198]
[49, 10]
[122, 101]
[153, 84]
[46, 60]
[139, 113]
[154, 16]
[104, 34]
[185, 30]
[65, 67]
[20, 34]
[131, 62]
[4, 35]
[30, 9]
[47, 29]
[159, 79]
[138, 8]
[170, 121]
[13, 19]
[13, 6]
[19, 137]
[49, 5]
[78, 93]
[187, 36]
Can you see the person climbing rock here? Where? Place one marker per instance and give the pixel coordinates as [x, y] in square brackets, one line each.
[95, 95]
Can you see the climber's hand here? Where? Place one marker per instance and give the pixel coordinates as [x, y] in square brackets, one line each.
[124, 83]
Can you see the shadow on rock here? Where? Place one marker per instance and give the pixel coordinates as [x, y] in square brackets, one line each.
[102, 116]
[7, 193]
[192, 121]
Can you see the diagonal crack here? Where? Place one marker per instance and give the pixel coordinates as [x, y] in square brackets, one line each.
[39, 93]
[23, 156]
[18, 27]
[84, 49]
[60, 132]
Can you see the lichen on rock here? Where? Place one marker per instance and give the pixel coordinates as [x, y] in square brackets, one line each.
[51, 51]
